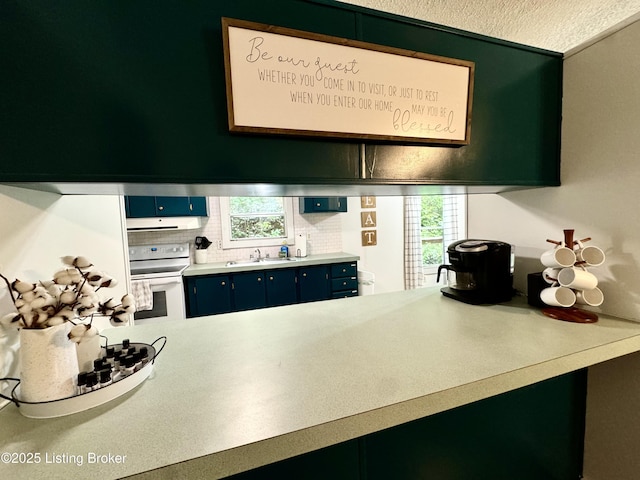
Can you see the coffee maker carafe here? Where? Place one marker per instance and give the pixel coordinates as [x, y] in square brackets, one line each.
[480, 271]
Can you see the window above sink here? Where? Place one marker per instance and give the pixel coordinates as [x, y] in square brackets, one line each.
[256, 221]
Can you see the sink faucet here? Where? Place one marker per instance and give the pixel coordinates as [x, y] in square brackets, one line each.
[257, 250]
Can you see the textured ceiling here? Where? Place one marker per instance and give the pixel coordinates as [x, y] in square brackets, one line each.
[557, 25]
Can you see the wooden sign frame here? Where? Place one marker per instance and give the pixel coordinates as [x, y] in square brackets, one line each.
[290, 82]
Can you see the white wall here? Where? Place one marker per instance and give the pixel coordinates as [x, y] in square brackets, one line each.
[598, 198]
[386, 259]
[37, 228]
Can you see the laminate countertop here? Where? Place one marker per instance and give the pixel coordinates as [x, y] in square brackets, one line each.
[268, 264]
[233, 392]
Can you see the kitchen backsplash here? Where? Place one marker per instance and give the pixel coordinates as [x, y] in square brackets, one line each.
[323, 230]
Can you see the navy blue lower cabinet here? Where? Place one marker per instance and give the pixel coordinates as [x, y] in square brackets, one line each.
[222, 293]
[313, 283]
[249, 291]
[281, 287]
[344, 280]
[208, 295]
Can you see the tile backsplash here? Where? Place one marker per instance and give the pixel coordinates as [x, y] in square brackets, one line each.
[323, 230]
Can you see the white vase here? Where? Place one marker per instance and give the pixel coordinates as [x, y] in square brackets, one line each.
[48, 364]
[88, 350]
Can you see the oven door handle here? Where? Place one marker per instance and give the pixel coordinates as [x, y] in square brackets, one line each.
[158, 282]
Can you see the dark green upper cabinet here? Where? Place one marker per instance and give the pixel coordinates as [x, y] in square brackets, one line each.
[323, 204]
[515, 128]
[143, 207]
[135, 97]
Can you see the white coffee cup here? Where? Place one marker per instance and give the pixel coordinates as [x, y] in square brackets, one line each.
[550, 275]
[558, 296]
[590, 255]
[593, 297]
[559, 257]
[577, 278]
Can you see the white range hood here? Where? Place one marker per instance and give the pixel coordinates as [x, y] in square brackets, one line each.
[162, 224]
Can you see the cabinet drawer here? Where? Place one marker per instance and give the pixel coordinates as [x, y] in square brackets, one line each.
[344, 270]
[344, 294]
[345, 283]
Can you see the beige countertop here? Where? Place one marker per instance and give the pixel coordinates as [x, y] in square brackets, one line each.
[268, 264]
[233, 392]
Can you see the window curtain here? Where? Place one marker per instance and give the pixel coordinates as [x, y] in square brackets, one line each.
[451, 230]
[413, 272]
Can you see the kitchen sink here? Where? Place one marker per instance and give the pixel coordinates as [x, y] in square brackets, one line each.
[261, 261]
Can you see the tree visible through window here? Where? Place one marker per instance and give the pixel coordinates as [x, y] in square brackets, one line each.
[256, 217]
[432, 230]
[256, 221]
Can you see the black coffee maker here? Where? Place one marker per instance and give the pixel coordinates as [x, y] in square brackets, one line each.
[480, 271]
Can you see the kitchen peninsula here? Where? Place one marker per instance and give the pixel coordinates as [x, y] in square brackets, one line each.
[234, 392]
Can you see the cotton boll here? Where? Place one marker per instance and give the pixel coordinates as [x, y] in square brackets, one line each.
[82, 262]
[38, 303]
[9, 319]
[68, 260]
[91, 332]
[40, 318]
[94, 278]
[54, 290]
[22, 287]
[76, 276]
[23, 307]
[67, 313]
[128, 301]
[78, 330]
[109, 282]
[68, 297]
[86, 311]
[87, 300]
[62, 278]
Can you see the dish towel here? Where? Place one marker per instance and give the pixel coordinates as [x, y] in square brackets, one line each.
[141, 291]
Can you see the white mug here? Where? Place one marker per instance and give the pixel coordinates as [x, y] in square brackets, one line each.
[559, 257]
[590, 255]
[593, 297]
[577, 278]
[558, 296]
[550, 275]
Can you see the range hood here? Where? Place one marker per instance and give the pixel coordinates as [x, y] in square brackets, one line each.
[162, 224]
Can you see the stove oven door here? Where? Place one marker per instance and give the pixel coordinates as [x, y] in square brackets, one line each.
[168, 300]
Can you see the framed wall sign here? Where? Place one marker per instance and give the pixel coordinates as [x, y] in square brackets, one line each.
[290, 82]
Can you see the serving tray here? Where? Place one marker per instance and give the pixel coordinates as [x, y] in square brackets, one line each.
[84, 401]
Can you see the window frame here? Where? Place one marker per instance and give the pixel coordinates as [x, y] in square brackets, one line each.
[253, 242]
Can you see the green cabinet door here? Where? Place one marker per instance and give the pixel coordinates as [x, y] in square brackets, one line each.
[323, 204]
[249, 291]
[207, 295]
[281, 287]
[148, 206]
[313, 283]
